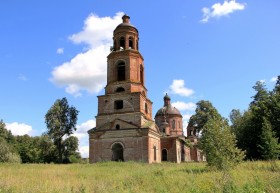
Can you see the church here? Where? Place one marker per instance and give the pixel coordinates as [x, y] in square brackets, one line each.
[125, 129]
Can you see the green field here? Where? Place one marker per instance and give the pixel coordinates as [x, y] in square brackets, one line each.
[138, 177]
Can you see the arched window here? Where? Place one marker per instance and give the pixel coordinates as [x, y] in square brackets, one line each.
[155, 153]
[173, 124]
[146, 108]
[130, 41]
[120, 89]
[115, 45]
[117, 127]
[122, 42]
[164, 155]
[121, 71]
[117, 151]
[141, 75]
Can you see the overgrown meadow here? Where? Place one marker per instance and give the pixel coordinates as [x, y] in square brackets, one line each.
[138, 177]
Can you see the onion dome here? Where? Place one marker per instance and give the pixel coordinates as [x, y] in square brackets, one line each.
[168, 109]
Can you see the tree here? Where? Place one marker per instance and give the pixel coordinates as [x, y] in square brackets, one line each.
[217, 141]
[61, 120]
[70, 153]
[269, 146]
[7, 153]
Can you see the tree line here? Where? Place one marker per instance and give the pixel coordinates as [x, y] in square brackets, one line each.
[252, 135]
[56, 145]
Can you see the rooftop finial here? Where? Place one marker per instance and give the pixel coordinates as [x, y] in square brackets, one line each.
[125, 18]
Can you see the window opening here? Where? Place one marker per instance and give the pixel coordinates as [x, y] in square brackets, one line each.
[117, 127]
[141, 75]
[121, 71]
[173, 124]
[122, 42]
[146, 108]
[118, 104]
[120, 89]
[130, 43]
[155, 153]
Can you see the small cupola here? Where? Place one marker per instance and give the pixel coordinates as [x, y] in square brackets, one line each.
[126, 18]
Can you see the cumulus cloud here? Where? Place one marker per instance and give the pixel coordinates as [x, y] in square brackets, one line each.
[84, 151]
[178, 87]
[60, 50]
[87, 70]
[218, 10]
[82, 135]
[273, 79]
[182, 106]
[19, 128]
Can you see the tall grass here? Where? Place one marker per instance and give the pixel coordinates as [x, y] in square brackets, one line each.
[138, 177]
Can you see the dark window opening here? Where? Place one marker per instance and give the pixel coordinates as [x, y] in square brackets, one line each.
[117, 127]
[121, 71]
[141, 75]
[163, 130]
[164, 155]
[146, 108]
[118, 104]
[120, 89]
[173, 124]
[131, 43]
[122, 42]
[115, 45]
[117, 151]
[155, 153]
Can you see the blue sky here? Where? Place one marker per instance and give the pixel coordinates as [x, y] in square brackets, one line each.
[195, 50]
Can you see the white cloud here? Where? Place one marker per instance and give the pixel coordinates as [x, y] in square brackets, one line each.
[19, 128]
[82, 129]
[273, 79]
[84, 150]
[60, 50]
[182, 106]
[262, 81]
[219, 10]
[178, 87]
[87, 70]
[82, 135]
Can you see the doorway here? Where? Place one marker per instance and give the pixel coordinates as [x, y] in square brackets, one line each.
[117, 150]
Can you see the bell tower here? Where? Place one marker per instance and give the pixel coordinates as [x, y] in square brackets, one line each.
[125, 93]
[125, 112]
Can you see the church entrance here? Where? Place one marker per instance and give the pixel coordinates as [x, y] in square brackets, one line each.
[117, 150]
[164, 155]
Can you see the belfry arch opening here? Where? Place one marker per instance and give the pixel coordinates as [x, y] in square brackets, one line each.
[130, 43]
[117, 151]
[121, 71]
[122, 42]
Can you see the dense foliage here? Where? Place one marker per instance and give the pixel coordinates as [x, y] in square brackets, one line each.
[258, 128]
[217, 141]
